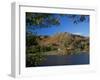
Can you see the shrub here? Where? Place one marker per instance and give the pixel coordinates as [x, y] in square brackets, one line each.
[34, 56]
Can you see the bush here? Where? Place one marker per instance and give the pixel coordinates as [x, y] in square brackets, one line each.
[34, 59]
[34, 56]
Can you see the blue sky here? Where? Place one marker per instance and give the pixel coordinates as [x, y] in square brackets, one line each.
[66, 25]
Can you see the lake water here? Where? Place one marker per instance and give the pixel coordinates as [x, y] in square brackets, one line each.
[54, 60]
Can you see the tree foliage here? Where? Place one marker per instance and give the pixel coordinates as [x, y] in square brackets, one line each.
[41, 20]
[45, 20]
[78, 18]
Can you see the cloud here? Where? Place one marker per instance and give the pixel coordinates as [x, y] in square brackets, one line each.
[77, 33]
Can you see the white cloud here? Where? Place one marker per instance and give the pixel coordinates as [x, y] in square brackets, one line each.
[77, 33]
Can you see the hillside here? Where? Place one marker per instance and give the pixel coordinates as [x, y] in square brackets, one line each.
[65, 43]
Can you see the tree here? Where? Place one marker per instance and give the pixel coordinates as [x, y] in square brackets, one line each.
[31, 39]
[45, 20]
[39, 20]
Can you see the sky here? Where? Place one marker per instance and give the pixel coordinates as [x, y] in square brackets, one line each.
[66, 25]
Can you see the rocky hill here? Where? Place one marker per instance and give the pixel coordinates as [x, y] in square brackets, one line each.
[66, 43]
